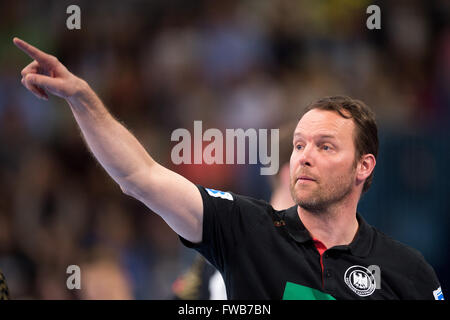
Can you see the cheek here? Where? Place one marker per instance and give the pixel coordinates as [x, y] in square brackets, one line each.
[332, 169]
[341, 170]
[292, 166]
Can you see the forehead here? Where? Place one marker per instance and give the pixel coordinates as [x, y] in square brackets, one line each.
[318, 122]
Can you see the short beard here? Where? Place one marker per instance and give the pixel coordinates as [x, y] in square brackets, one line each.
[320, 203]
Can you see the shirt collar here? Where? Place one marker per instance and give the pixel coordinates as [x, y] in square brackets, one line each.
[295, 226]
[360, 246]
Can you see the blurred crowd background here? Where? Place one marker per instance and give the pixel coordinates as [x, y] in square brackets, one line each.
[158, 66]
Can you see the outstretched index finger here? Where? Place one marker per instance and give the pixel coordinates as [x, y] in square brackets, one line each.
[32, 51]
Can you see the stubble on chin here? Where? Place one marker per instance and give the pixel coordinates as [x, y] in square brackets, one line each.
[319, 200]
[311, 202]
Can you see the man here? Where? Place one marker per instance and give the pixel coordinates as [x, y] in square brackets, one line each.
[320, 248]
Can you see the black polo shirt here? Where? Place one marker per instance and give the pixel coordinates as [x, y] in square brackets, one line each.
[263, 253]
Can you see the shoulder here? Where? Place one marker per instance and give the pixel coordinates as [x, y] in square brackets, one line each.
[403, 262]
[395, 249]
[231, 198]
[402, 257]
[257, 204]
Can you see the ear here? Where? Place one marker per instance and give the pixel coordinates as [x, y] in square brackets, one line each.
[365, 167]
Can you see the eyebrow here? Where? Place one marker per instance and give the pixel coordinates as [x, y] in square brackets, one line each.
[322, 136]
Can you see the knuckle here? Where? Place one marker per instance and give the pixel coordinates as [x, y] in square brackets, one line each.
[25, 71]
[29, 78]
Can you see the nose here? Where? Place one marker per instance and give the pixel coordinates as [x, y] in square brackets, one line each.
[305, 157]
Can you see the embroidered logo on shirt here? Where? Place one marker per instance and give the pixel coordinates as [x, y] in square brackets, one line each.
[360, 280]
[219, 194]
[438, 295]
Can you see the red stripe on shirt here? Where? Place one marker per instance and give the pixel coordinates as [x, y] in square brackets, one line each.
[321, 249]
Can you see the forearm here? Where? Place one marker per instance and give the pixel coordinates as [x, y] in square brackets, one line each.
[117, 150]
[170, 195]
[167, 193]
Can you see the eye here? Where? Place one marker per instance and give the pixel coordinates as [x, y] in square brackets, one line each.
[298, 146]
[326, 147]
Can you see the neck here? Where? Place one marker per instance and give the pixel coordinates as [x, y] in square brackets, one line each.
[335, 226]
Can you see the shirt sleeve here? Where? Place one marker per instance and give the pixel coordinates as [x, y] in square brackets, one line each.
[426, 283]
[220, 213]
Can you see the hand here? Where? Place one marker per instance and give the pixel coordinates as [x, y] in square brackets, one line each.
[47, 74]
